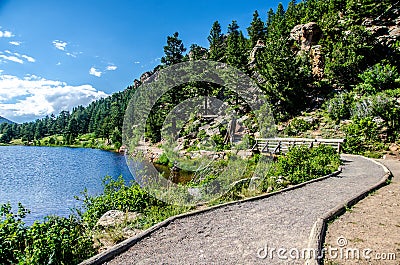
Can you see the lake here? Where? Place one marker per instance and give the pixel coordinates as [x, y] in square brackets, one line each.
[45, 179]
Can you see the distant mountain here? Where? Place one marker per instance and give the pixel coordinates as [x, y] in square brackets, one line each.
[2, 120]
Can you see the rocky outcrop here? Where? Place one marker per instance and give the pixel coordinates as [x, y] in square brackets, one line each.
[254, 52]
[112, 228]
[318, 62]
[145, 76]
[385, 28]
[136, 83]
[306, 35]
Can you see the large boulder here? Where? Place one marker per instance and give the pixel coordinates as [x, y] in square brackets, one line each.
[116, 217]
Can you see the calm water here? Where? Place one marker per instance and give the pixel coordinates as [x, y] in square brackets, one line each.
[45, 179]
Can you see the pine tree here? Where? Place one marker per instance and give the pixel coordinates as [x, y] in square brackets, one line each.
[270, 17]
[292, 15]
[173, 50]
[236, 52]
[216, 41]
[257, 29]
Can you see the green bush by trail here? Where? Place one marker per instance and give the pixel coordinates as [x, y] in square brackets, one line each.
[56, 240]
[301, 164]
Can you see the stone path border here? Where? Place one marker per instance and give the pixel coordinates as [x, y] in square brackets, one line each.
[126, 244]
[317, 235]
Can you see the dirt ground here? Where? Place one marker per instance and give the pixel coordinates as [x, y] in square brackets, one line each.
[371, 228]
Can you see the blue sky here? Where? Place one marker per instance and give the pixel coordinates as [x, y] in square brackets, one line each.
[57, 54]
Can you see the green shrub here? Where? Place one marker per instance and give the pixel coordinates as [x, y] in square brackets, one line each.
[339, 107]
[12, 233]
[360, 134]
[301, 164]
[56, 240]
[116, 196]
[297, 126]
[381, 76]
[202, 134]
[163, 160]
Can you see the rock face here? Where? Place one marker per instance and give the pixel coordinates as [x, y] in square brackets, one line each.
[253, 55]
[145, 76]
[306, 34]
[318, 62]
[385, 28]
[136, 83]
[115, 217]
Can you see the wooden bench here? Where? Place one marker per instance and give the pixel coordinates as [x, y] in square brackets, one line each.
[282, 145]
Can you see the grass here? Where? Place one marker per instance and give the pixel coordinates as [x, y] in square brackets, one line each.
[88, 140]
[348, 209]
[357, 240]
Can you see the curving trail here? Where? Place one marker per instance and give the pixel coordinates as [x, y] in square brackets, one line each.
[236, 234]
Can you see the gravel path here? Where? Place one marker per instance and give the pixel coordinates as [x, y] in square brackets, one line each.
[236, 234]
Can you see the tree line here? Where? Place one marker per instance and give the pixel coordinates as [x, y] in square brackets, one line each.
[279, 66]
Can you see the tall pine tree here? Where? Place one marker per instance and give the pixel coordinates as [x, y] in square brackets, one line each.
[173, 50]
[256, 30]
[236, 52]
[216, 41]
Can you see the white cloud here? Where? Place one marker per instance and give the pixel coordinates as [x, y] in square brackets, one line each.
[11, 58]
[111, 68]
[16, 57]
[6, 34]
[28, 58]
[31, 97]
[137, 62]
[16, 43]
[71, 54]
[61, 45]
[95, 72]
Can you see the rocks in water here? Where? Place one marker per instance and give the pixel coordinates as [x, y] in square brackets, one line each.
[116, 217]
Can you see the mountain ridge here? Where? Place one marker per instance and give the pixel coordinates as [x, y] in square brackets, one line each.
[4, 120]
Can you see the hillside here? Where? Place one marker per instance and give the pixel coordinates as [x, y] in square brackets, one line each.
[4, 120]
[328, 68]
